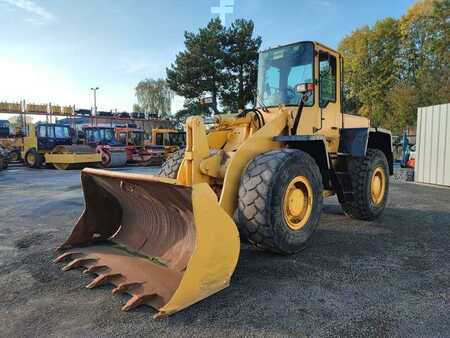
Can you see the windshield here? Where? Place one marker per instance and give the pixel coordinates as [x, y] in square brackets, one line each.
[137, 138]
[62, 132]
[280, 70]
[177, 139]
[99, 135]
[108, 135]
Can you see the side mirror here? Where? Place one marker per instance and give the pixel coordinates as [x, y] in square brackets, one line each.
[304, 87]
[206, 100]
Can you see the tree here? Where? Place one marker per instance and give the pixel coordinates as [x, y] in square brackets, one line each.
[398, 65]
[137, 108]
[371, 68]
[220, 62]
[199, 68]
[154, 96]
[191, 107]
[241, 62]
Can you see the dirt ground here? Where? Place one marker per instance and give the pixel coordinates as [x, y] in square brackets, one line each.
[390, 277]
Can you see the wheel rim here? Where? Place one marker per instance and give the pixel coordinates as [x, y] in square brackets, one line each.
[31, 159]
[378, 185]
[61, 166]
[298, 202]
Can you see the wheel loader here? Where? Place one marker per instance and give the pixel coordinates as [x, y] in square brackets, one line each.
[49, 143]
[259, 175]
[171, 139]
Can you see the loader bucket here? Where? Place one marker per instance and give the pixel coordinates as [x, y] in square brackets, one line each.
[165, 244]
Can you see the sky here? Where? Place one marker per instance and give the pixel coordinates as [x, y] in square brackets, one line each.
[56, 50]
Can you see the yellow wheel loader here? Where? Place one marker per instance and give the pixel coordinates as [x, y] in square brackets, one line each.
[260, 175]
[171, 139]
[52, 144]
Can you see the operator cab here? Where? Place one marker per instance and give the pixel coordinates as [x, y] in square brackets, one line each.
[284, 72]
[50, 135]
[172, 138]
[130, 136]
[100, 136]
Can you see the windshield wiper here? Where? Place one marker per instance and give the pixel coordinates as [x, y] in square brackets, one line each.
[263, 106]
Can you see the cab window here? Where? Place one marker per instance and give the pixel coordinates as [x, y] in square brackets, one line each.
[327, 78]
[123, 138]
[159, 139]
[42, 131]
[62, 132]
[50, 132]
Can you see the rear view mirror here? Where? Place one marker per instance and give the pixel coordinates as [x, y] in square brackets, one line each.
[206, 100]
[304, 87]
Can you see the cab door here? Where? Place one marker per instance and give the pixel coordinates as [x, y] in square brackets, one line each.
[329, 96]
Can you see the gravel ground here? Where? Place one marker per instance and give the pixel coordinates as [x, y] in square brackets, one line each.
[390, 277]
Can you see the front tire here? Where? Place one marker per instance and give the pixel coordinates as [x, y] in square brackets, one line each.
[33, 159]
[171, 166]
[280, 200]
[369, 178]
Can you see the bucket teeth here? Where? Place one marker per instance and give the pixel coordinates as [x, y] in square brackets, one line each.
[63, 257]
[94, 269]
[102, 279]
[78, 262]
[124, 287]
[135, 301]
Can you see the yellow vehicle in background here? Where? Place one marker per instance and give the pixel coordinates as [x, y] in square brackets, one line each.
[171, 139]
[48, 143]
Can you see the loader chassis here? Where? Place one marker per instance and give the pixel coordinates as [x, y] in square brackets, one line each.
[263, 172]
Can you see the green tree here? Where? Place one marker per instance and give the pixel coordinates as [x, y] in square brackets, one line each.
[191, 107]
[371, 68]
[219, 62]
[425, 51]
[396, 66]
[137, 108]
[199, 68]
[241, 62]
[154, 96]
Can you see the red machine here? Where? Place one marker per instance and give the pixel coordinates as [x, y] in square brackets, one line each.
[137, 152]
[103, 139]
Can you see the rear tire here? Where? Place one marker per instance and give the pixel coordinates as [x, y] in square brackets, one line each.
[280, 200]
[171, 166]
[365, 172]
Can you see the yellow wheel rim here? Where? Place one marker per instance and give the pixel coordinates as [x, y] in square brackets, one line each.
[378, 185]
[298, 202]
[61, 166]
[31, 159]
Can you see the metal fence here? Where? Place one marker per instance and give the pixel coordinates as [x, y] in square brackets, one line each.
[433, 145]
